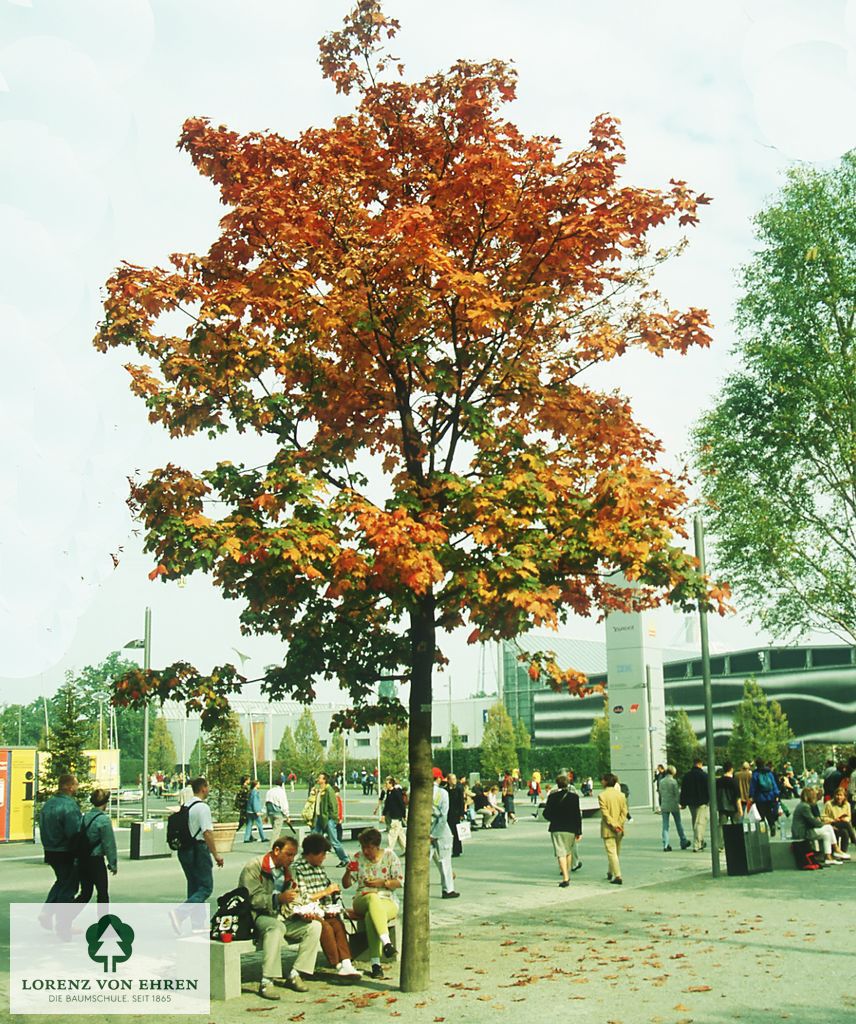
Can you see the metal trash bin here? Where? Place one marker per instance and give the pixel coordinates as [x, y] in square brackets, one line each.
[747, 848]
[148, 839]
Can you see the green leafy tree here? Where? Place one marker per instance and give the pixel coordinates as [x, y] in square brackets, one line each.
[759, 728]
[599, 738]
[393, 751]
[777, 449]
[227, 757]
[67, 740]
[162, 754]
[498, 750]
[286, 752]
[308, 752]
[335, 752]
[197, 758]
[522, 739]
[682, 744]
[23, 725]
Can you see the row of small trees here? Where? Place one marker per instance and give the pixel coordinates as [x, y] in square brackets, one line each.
[759, 729]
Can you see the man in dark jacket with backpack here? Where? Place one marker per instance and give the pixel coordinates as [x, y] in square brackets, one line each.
[695, 795]
[59, 824]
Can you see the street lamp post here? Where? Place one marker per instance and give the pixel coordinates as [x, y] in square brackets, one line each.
[708, 709]
[147, 664]
[451, 733]
[146, 644]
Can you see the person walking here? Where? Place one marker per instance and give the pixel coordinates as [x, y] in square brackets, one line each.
[764, 792]
[613, 815]
[59, 823]
[441, 837]
[241, 799]
[562, 810]
[670, 807]
[694, 794]
[508, 796]
[728, 802]
[98, 829]
[456, 812]
[276, 806]
[195, 861]
[393, 812]
[325, 815]
[744, 780]
[254, 813]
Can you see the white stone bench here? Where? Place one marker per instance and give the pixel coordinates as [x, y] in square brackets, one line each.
[226, 967]
[782, 855]
[226, 960]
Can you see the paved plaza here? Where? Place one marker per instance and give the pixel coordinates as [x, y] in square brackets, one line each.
[672, 945]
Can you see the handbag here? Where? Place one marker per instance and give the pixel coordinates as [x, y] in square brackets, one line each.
[464, 831]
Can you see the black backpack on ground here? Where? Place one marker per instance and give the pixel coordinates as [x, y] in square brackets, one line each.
[233, 916]
[178, 835]
[499, 821]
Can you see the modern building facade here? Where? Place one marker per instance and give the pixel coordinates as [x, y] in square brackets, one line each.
[816, 686]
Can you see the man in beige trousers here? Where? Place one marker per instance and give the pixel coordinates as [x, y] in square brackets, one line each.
[613, 814]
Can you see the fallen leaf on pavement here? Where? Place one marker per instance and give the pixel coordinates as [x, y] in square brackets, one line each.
[699, 988]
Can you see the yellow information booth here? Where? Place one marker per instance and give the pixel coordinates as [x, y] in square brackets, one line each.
[17, 793]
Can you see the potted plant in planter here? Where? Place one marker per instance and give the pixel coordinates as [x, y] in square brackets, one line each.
[227, 754]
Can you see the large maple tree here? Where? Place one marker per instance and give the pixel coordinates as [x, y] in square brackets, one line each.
[405, 303]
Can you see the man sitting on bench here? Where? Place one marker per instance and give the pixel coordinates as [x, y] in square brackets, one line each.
[272, 892]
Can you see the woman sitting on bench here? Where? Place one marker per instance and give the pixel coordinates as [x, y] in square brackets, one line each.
[315, 886]
[836, 812]
[377, 874]
[807, 824]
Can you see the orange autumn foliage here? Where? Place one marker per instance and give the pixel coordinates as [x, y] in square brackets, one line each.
[412, 292]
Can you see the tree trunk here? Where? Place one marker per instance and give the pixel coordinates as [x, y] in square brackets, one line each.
[415, 948]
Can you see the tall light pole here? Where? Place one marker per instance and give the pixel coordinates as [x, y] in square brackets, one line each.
[451, 733]
[146, 644]
[708, 709]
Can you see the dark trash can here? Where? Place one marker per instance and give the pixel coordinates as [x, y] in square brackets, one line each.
[747, 848]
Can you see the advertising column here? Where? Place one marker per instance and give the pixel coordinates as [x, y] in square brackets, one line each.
[636, 702]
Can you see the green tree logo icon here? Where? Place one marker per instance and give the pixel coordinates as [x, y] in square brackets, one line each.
[110, 941]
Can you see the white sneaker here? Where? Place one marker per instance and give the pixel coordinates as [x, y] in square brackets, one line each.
[831, 862]
[841, 856]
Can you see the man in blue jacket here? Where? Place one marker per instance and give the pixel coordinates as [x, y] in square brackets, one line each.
[59, 823]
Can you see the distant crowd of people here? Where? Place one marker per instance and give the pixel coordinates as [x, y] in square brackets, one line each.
[824, 810]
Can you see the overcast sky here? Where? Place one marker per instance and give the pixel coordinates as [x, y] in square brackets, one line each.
[92, 97]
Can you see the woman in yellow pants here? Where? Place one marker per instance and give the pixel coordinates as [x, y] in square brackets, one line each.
[377, 874]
